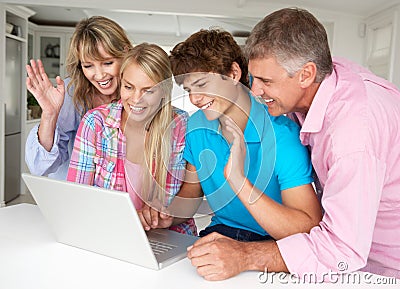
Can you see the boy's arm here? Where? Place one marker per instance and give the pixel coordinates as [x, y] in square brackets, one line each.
[299, 212]
[183, 206]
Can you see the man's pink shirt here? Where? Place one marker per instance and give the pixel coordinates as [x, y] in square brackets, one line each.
[353, 129]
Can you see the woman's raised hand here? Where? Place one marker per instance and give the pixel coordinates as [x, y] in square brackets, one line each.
[50, 98]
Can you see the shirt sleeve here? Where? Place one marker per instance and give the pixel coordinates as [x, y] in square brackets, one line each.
[43, 162]
[38, 159]
[177, 165]
[82, 165]
[187, 152]
[342, 241]
[293, 164]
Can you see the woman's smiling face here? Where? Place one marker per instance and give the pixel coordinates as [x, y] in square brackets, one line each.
[140, 96]
[102, 74]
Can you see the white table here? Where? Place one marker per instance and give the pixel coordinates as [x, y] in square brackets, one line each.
[31, 258]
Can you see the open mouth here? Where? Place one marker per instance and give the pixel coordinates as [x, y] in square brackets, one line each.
[104, 84]
[207, 105]
[136, 108]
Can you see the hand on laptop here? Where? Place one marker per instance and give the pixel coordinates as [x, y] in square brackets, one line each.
[152, 218]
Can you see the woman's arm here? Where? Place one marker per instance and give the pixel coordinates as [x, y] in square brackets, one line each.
[39, 160]
[50, 99]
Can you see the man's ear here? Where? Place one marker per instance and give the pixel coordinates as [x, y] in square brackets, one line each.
[307, 74]
[236, 72]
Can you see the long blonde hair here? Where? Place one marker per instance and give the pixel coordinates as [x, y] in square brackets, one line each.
[153, 61]
[89, 34]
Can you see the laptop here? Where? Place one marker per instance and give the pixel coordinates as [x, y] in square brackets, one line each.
[105, 222]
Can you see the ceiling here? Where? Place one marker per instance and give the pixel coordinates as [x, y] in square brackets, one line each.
[180, 18]
[144, 22]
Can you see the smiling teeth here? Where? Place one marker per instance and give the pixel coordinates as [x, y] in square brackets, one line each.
[137, 109]
[269, 100]
[207, 105]
[104, 83]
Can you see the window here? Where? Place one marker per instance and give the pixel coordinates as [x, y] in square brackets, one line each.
[380, 31]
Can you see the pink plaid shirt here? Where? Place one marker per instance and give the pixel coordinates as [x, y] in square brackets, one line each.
[99, 152]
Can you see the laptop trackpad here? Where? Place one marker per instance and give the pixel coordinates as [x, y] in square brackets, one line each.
[169, 246]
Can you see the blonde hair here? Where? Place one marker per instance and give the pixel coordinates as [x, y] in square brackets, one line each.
[154, 61]
[89, 34]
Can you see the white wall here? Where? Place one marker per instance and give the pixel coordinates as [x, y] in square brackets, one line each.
[343, 34]
[346, 41]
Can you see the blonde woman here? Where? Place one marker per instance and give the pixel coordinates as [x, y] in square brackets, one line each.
[93, 64]
[136, 144]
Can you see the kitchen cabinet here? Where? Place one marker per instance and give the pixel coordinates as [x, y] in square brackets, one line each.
[13, 57]
[28, 126]
[33, 109]
[51, 46]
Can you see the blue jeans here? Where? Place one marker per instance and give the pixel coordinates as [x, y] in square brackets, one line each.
[234, 233]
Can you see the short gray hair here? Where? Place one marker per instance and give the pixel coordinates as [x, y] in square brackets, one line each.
[294, 37]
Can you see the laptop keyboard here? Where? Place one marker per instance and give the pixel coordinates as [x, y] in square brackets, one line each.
[160, 247]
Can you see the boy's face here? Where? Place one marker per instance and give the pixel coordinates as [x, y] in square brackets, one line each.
[213, 93]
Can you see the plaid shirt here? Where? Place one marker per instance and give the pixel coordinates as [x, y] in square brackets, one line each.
[100, 147]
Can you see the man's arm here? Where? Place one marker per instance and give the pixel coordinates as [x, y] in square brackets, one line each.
[342, 242]
[217, 257]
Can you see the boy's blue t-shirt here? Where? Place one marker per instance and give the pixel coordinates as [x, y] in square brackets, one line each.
[275, 161]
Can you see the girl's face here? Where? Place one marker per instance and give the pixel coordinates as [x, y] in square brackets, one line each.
[140, 97]
[104, 74]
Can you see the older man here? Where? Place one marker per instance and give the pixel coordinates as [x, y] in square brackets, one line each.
[350, 120]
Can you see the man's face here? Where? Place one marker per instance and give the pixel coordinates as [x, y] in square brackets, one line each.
[281, 93]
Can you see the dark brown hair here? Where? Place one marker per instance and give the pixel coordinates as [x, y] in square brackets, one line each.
[210, 50]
